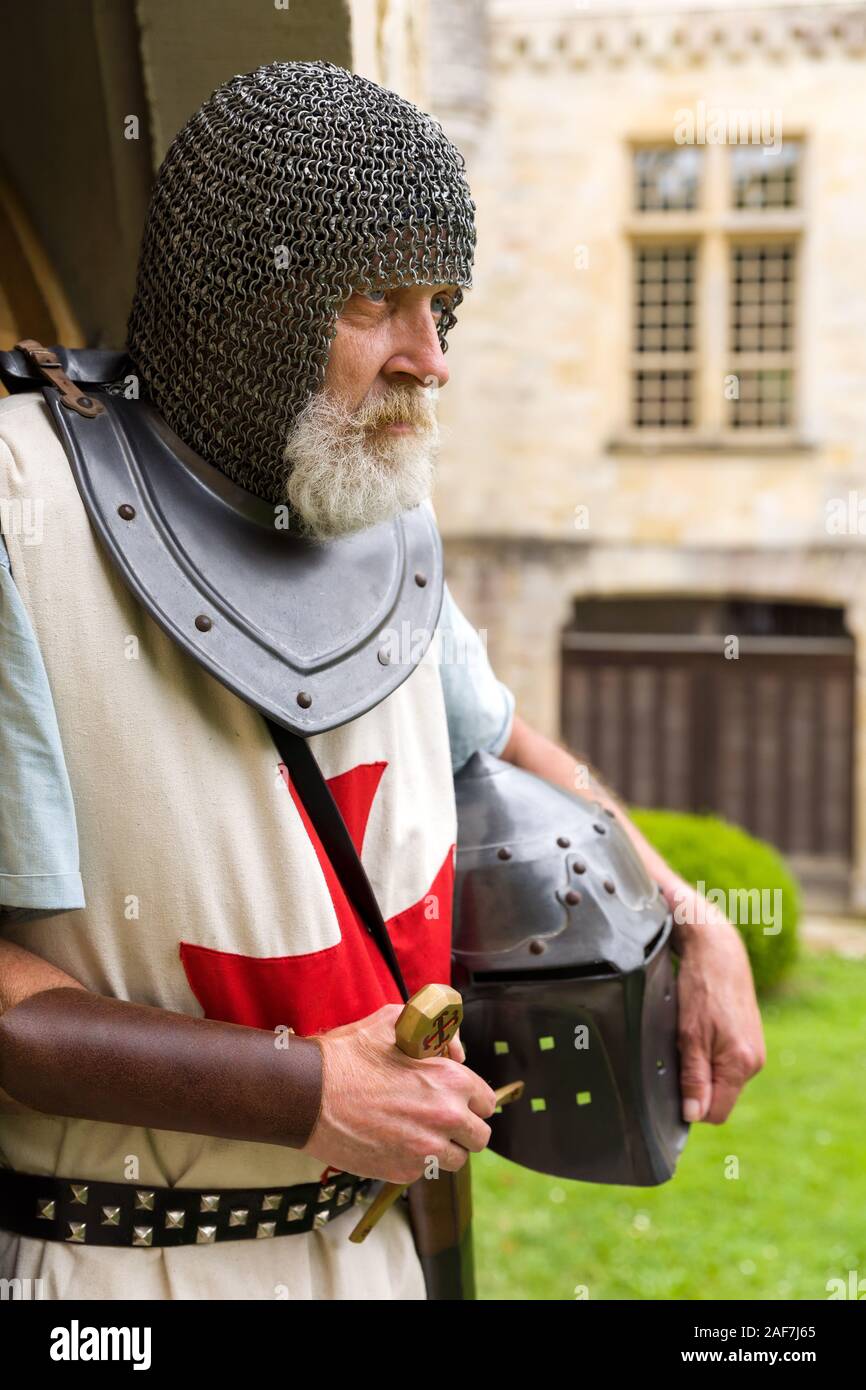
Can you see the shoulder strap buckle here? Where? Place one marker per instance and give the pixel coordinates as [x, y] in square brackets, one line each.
[52, 371]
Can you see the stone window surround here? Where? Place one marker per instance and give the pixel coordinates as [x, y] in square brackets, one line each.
[713, 226]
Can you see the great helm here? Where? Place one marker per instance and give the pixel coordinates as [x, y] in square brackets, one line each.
[562, 953]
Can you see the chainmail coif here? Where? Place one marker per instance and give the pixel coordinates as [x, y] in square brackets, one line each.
[290, 187]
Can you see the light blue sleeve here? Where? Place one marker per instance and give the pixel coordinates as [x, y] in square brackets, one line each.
[479, 707]
[38, 835]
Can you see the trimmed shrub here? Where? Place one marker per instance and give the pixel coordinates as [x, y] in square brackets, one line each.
[747, 878]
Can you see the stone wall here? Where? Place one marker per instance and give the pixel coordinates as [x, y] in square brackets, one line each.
[536, 407]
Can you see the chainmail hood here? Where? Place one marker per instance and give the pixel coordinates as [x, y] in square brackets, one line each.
[288, 189]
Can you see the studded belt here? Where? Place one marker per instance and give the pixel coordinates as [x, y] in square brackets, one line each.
[120, 1214]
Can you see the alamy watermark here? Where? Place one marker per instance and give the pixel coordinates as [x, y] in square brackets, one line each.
[742, 906]
[728, 125]
[853, 1288]
[846, 516]
[77, 1343]
[24, 517]
[404, 646]
[20, 1290]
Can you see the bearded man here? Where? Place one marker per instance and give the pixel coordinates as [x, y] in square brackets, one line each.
[197, 1034]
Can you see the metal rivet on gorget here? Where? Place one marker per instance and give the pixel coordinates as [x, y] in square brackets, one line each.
[126, 511]
[609, 886]
[572, 898]
[203, 623]
[609, 812]
[537, 948]
[84, 400]
[599, 829]
[420, 580]
[384, 656]
[579, 866]
[304, 700]
[504, 853]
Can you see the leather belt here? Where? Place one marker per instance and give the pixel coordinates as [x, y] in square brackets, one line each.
[124, 1214]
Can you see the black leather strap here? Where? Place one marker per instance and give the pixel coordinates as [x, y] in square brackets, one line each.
[83, 1212]
[334, 835]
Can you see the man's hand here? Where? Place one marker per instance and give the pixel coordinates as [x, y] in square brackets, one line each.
[384, 1114]
[721, 1039]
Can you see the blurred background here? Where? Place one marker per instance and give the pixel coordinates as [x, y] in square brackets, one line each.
[652, 490]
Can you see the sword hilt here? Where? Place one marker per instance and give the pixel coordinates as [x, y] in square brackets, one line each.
[425, 1027]
[429, 1021]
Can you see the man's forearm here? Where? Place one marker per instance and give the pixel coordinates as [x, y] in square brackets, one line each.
[23, 974]
[66, 1051]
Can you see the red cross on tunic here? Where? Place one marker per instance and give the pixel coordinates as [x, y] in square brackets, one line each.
[341, 983]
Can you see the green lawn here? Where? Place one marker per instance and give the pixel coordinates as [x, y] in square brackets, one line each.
[794, 1218]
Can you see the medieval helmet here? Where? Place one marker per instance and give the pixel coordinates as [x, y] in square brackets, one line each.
[288, 189]
[562, 953]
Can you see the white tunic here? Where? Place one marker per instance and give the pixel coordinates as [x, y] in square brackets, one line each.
[206, 894]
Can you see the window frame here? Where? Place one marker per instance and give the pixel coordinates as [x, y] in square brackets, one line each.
[714, 227]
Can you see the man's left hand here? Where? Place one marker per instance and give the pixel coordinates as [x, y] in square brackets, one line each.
[721, 1039]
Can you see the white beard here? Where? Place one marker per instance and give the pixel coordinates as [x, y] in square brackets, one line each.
[344, 475]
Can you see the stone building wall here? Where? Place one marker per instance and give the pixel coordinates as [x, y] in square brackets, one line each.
[536, 411]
